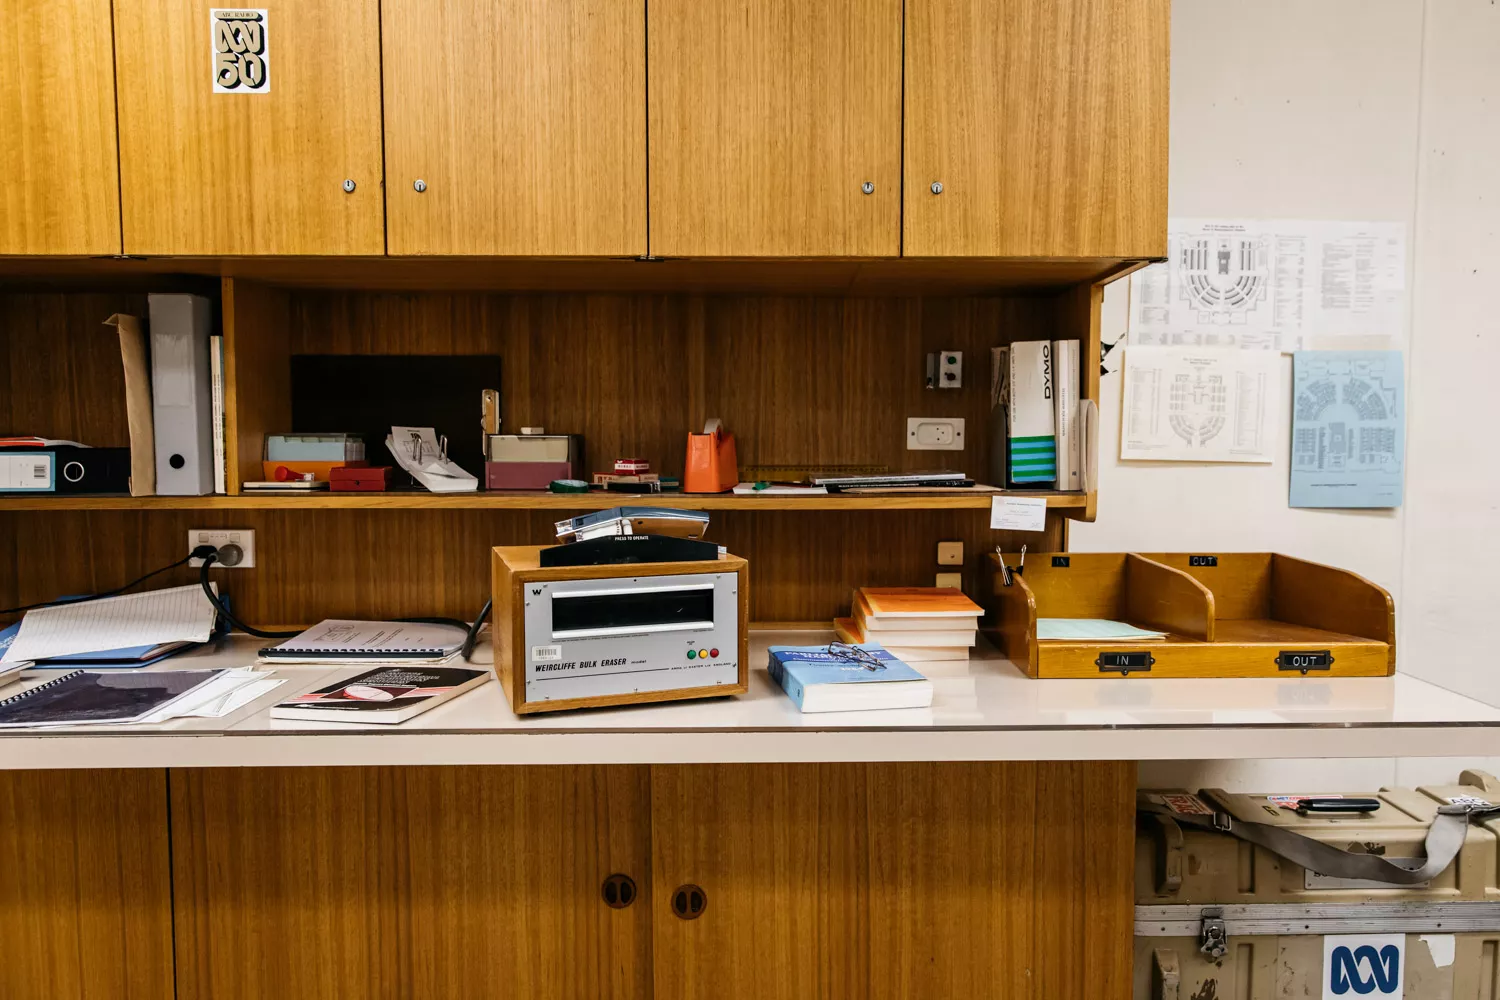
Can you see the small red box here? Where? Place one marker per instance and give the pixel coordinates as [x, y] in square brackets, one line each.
[631, 466]
[524, 475]
[364, 479]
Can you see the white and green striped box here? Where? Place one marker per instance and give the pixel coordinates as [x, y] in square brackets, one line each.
[1033, 422]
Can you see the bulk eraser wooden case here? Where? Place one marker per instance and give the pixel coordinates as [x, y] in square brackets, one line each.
[1240, 614]
[618, 634]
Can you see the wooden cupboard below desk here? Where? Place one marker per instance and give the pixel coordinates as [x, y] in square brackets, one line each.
[1006, 880]
[85, 885]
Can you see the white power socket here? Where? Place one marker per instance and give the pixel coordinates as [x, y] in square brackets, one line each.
[228, 541]
[934, 433]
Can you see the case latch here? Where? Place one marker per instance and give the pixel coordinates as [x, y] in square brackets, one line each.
[1213, 939]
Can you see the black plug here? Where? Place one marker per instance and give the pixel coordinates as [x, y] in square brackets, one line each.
[206, 552]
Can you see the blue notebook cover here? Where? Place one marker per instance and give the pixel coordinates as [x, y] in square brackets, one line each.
[797, 667]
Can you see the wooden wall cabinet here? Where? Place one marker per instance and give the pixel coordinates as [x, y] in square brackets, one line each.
[1036, 128]
[884, 880]
[61, 188]
[768, 120]
[515, 127]
[206, 173]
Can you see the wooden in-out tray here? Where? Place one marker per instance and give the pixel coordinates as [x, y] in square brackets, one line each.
[1240, 614]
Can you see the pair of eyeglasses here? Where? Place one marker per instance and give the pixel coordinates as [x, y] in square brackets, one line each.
[865, 658]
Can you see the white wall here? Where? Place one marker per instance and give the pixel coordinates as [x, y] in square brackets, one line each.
[1360, 110]
[1451, 564]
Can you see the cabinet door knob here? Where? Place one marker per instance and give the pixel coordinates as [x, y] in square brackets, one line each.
[618, 891]
[419, 186]
[689, 902]
[868, 187]
[348, 185]
[937, 187]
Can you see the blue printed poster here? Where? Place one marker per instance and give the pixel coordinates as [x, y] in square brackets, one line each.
[1348, 429]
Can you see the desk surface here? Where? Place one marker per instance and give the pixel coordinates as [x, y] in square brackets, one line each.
[993, 712]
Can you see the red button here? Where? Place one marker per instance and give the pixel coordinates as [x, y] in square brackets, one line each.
[713, 652]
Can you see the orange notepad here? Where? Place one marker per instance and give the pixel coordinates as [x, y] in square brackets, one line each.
[873, 623]
[918, 602]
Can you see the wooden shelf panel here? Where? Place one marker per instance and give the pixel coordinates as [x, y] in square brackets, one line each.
[524, 501]
[868, 276]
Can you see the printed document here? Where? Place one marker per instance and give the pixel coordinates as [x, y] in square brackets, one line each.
[176, 614]
[1271, 284]
[1191, 404]
[1348, 429]
[1092, 630]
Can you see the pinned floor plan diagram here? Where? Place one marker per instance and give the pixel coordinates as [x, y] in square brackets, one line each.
[1347, 429]
[1197, 407]
[1224, 277]
[1271, 283]
[1192, 404]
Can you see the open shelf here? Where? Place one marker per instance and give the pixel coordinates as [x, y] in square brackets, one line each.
[526, 500]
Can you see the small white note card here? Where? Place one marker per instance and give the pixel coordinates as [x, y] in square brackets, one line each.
[1018, 513]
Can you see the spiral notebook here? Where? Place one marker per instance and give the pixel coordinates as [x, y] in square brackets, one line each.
[339, 640]
[81, 697]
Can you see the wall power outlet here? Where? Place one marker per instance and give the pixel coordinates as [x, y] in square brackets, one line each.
[934, 433]
[236, 546]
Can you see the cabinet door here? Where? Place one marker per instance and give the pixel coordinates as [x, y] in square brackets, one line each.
[475, 882]
[85, 885]
[61, 192]
[1044, 122]
[893, 880]
[768, 119]
[521, 121]
[284, 163]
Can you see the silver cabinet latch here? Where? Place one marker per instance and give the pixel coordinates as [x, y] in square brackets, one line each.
[1213, 939]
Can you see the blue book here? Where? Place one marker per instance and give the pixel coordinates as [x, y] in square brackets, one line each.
[820, 681]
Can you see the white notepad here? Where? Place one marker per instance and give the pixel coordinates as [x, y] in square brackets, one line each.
[176, 614]
[1092, 630]
[339, 640]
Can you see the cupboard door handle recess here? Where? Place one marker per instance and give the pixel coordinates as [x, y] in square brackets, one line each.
[689, 902]
[618, 891]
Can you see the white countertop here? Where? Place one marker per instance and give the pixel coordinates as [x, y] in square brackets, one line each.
[993, 712]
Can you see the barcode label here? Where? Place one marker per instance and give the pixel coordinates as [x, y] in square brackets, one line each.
[539, 653]
[26, 471]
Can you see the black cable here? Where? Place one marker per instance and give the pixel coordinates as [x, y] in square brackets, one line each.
[209, 559]
[210, 555]
[473, 636]
[107, 593]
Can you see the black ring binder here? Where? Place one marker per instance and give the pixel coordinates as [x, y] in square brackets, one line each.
[54, 682]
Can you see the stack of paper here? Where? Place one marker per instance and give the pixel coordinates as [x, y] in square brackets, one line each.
[1093, 630]
[150, 621]
[933, 626]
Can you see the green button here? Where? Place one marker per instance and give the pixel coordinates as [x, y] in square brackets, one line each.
[692, 654]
